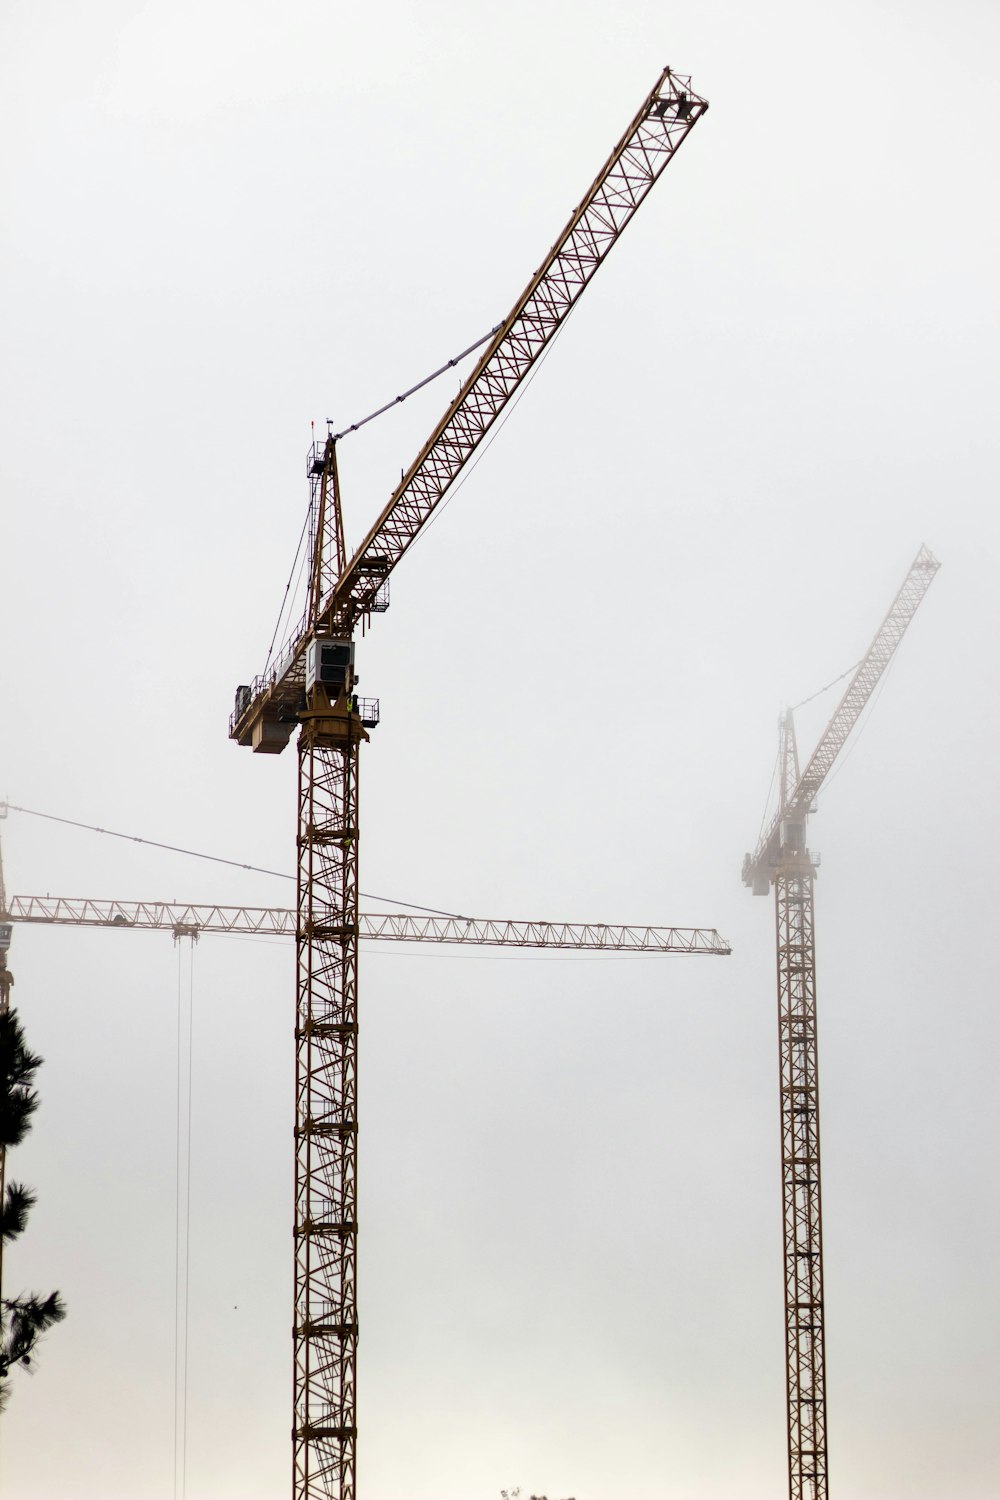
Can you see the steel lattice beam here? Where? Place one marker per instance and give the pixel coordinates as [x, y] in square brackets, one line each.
[188, 919]
[805, 1362]
[782, 858]
[324, 1428]
[873, 664]
[664, 120]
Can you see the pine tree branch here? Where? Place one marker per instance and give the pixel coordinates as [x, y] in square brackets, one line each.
[14, 1210]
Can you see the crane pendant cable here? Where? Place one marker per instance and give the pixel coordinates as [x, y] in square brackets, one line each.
[218, 859]
[398, 400]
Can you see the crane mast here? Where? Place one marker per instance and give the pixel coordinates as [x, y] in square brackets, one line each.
[312, 685]
[782, 859]
[801, 1197]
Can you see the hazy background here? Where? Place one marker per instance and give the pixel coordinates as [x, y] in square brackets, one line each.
[224, 220]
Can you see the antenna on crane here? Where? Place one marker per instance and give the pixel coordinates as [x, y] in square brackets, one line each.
[783, 860]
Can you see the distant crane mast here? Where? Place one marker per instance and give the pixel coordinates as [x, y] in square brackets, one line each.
[312, 686]
[782, 859]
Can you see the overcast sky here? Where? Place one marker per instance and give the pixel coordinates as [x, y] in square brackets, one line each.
[224, 221]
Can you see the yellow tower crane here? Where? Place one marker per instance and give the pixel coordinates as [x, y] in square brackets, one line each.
[311, 687]
[782, 859]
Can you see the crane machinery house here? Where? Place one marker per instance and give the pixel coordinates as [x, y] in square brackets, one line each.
[331, 664]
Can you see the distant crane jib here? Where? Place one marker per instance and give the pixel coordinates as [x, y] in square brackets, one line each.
[860, 688]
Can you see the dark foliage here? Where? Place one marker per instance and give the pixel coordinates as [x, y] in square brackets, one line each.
[18, 1066]
[18, 1201]
[26, 1319]
[23, 1319]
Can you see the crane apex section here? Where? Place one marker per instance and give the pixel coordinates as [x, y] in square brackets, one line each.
[345, 593]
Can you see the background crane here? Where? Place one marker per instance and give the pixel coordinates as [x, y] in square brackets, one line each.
[782, 859]
[312, 685]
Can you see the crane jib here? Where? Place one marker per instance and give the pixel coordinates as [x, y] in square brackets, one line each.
[667, 116]
[664, 120]
[269, 921]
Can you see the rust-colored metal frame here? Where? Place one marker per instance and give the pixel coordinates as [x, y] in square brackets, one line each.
[805, 1358]
[324, 1426]
[662, 123]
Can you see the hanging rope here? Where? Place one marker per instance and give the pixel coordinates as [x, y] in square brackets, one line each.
[288, 587]
[177, 1224]
[182, 1210]
[767, 804]
[820, 691]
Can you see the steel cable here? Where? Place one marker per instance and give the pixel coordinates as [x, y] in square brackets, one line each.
[218, 859]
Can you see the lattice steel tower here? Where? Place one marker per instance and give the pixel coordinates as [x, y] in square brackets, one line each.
[782, 859]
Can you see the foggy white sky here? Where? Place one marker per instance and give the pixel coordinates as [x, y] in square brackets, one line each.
[223, 221]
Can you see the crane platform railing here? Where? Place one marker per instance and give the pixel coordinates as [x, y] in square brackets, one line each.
[367, 709]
